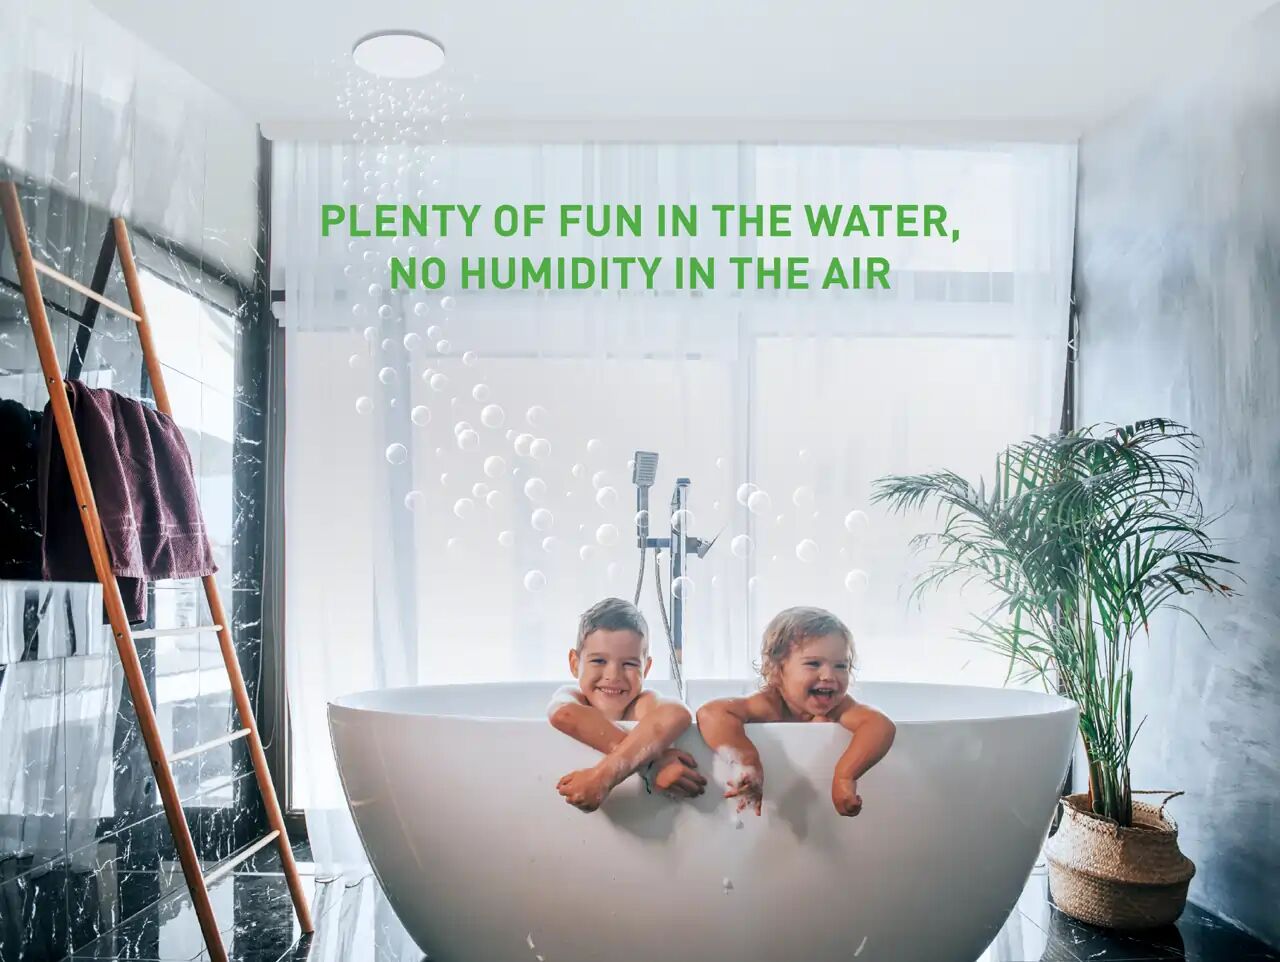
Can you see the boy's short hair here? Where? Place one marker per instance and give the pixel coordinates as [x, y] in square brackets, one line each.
[791, 626]
[613, 614]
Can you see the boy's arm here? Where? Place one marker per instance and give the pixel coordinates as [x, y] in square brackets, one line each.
[570, 713]
[659, 722]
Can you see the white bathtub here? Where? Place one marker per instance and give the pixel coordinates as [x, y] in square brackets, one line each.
[453, 792]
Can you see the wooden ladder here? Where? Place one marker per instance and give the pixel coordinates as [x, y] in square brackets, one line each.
[198, 881]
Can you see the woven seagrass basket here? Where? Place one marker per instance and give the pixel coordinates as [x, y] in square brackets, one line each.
[1118, 878]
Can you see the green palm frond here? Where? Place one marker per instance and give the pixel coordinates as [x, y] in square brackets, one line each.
[1083, 537]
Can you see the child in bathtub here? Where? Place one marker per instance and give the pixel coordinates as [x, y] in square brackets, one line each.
[805, 663]
[610, 662]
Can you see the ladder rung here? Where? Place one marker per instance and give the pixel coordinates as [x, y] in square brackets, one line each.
[61, 278]
[204, 747]
[166, 632]
[239, 857]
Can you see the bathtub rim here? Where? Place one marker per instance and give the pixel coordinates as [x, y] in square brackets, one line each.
[1050, 703]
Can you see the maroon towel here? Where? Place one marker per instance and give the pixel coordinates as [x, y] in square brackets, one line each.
[145, 489]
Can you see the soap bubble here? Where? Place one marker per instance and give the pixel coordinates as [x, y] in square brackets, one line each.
[354, 361]
[479, 489]
[492, 416]
[607, 535]
[535, 489]
[385, 312]
[480, 392]
[594, 446]
[606, 497]
[412, 341]
[493, 498]
[468, 440]
[599, 478]
[444, 478]
[719, 462]
[745, 491]
[759, 502]
[855, 521]
[364, 405]
[752, 583]
[434, 332]
[682, 587]
[742, 546]
[439, 382]
[535, 415]
[357, 309]
[463, 507]
[577, 470]
[421, 309]
[523, 443]
[412, 500]
[641, 518]
[542, 519]
[443, 346]
[447, 302]
[802, 497]
[682, 519]
[540, 448]
[535, 580]
[387, 375]
[370, 333]
[375, 290]
[506, 539]
[420, 415]
[550, 543]
[462, 426]
[450, 544]
[494, 465]
[807, 551]
[856, 581]
[587, 552]
[468, 358]
[397, 453]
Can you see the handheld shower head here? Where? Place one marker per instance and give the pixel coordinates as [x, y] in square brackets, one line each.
[646, 469]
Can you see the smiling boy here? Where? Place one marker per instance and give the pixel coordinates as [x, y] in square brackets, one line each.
[610, 662]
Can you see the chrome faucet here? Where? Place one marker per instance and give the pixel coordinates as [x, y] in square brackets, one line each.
[679, 543]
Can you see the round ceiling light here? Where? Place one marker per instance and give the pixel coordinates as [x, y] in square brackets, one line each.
[401, 54]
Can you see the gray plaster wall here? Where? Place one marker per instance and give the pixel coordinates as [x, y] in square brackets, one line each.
[1178, 281]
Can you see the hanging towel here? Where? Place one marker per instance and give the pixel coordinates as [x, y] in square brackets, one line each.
[19, 506]
[145, 489]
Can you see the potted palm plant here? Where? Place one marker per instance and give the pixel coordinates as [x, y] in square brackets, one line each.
[1084, 536]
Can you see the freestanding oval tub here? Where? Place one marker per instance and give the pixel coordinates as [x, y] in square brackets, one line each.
[453, 792]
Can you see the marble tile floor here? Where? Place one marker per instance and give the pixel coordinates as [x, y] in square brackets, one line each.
[354, 923]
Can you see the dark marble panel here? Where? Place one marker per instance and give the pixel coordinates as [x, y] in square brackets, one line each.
[33, 922]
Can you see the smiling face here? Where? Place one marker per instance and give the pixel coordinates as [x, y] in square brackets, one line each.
[814, 676]
[610, 669]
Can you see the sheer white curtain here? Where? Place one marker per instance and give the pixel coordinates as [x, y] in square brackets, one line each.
[457, 480]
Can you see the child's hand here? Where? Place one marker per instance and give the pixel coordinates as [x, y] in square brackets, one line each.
[748, 788]
[585, 789]
[844, 794]
[676, 772]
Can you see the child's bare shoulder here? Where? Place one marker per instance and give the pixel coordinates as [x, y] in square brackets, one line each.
[566, 695]
[764, 706]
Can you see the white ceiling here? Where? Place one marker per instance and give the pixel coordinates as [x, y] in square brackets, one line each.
[826, 70]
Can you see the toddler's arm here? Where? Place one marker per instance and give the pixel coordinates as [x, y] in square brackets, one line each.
[570, 713]
[722, 723]
[873, 735]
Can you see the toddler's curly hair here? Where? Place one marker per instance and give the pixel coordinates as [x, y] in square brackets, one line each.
[791, 626]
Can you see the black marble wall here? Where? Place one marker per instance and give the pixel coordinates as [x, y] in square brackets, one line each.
[1178, 279]
[84, 843]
